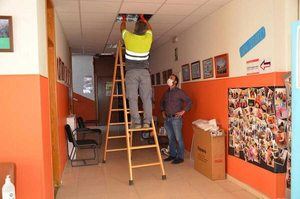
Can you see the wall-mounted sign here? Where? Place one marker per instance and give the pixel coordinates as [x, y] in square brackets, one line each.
[253, 41]
[257, 65]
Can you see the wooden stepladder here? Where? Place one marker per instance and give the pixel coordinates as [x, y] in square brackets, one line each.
[119, 65]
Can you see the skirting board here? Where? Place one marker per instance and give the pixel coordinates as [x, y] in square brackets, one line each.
[247, 187]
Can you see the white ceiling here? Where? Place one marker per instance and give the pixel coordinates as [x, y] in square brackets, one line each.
[90, 26]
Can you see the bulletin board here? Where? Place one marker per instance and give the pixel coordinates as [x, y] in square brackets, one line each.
[260, 126]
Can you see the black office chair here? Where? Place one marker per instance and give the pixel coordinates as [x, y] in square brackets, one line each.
[84, 130]
[81, 144]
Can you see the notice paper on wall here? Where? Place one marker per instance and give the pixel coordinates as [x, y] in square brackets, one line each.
[87, 84]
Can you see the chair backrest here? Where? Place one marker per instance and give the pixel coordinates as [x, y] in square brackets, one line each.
[69, 133]
[80, 122]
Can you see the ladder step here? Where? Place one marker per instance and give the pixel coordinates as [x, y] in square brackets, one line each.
[141, 129]
[114, 150]
[117, 95]
[117, 109]
[145, 165]
[144, 147]
[117, 137]
[118, 80]
[116, 123]
[128, 111]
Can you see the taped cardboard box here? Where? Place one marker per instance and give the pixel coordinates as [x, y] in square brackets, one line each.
[209, 154]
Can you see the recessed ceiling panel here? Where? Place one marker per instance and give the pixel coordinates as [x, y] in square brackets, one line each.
[99, 6]
[145, 1]
[139, 8]
[69, 17]
[62, 6]
[187, 2]
[98, 17]
[162, 19]
[176, 9]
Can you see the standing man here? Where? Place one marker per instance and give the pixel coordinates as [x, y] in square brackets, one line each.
[172, 110]
[137, 77]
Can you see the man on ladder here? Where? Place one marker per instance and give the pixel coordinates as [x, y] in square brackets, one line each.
[137, 77]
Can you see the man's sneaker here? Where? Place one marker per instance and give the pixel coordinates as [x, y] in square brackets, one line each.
[146, 125]
[135, 126]
[169, 159]
[177, 161]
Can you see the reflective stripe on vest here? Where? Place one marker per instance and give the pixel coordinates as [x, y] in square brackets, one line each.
[136, 56]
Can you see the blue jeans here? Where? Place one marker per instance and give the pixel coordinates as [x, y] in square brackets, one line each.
[173, 126]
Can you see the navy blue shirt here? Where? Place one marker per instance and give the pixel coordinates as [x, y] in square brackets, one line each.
[173, 101]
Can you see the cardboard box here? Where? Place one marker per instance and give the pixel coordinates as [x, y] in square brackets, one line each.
[209, 154]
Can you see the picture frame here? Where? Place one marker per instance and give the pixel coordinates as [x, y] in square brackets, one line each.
[152, 79]
[196, 70]
[186, 72]
[221, 65]
[59, 69]
[165, 76]
[170, 72]
[208, 68]
[157, 78]
[6, 34]
[176, 54]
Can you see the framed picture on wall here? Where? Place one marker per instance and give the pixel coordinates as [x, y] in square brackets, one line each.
[60, 66]
[221, 65]
[196, 70]
[176, 54]
[165, 76]
[152, 79]
[157, 78]
[186, 73]
[6, 34]
[170, 72]
[208, 69]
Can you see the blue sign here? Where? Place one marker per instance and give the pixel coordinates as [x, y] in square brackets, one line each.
[253, 41]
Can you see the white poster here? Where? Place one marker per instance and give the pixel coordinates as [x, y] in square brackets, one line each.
[87, 84]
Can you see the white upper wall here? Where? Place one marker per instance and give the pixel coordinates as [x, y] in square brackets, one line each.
[226, 30]
[62, 46]
[29, 34]
[82, 66]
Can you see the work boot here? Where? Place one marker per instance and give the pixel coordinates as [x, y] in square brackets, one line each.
[169, 159]
[146, 125]
[135, 126]
[177, 161]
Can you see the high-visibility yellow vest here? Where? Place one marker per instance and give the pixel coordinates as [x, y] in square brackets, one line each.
[137, 46]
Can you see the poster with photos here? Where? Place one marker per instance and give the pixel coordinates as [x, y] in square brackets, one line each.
[287, 92]
[256, 134]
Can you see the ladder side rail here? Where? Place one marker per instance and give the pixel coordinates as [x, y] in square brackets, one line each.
[110, 106]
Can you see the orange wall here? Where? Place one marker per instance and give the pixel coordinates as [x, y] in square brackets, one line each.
[24, 137]
[210, 100]
[63, 112]
[84, 107]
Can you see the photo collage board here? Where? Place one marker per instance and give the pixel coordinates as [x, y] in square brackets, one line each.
[260, 126]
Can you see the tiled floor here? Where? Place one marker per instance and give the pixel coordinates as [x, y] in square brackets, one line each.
[110, 180]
